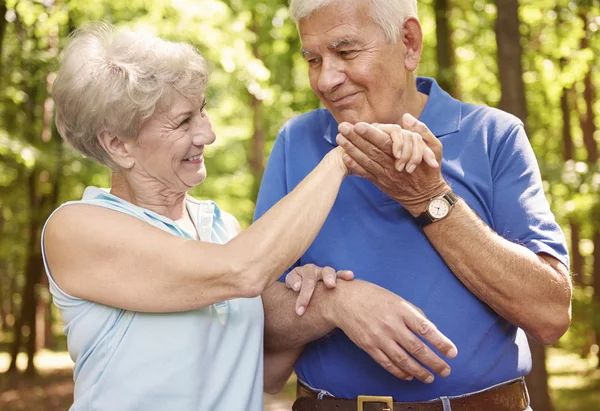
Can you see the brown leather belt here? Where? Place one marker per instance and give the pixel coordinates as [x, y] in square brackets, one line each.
[510, 397]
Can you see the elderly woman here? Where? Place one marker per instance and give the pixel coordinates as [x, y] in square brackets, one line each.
[159, 294]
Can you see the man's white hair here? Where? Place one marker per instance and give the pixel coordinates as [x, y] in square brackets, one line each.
[390, 15]
[112, 81]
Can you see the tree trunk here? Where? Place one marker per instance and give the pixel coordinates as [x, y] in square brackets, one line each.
[596, 284]
[33, 268]
[257, 143]
[2, 25]
[588, 128]
[568, 148]
[49, 339]
[3, 283]
[587, 119]
[510, 67]
[537, 380]
[446, 76]
[576, 257]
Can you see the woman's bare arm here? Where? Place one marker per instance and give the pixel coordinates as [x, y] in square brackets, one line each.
[116, 259]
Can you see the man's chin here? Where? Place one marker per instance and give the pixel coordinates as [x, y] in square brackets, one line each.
[347, 115]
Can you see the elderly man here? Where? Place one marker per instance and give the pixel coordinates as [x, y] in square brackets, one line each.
[471, 247]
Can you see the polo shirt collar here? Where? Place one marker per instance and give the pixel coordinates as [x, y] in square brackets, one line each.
[441, 113]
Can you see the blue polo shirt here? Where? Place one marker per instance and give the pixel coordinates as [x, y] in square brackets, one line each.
[488, 161]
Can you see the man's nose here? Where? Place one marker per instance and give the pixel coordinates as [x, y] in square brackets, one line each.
[331, 75]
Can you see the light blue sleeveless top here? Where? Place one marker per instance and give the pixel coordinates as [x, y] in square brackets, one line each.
[206, 359]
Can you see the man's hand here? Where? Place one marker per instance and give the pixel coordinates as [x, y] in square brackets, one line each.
[388, 328]
[304, 279]
[390, 157]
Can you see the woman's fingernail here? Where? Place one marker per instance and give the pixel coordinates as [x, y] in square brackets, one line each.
[300, 310]
[446, 372]
[400, 167]
[411, 168]
[429, 379]
[296, 286]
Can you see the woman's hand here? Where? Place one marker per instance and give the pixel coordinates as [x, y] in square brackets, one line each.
[336, 158]
[303, 280]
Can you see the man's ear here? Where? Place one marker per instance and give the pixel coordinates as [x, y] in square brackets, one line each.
[118, 149]
[412, 37]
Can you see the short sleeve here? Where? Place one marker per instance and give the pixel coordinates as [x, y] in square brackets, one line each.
[520, 209]
[274, 183]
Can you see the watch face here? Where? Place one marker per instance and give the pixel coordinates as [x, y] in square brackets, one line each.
[438, 208]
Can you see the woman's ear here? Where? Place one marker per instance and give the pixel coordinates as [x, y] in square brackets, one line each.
[412, 37]
[118, 150]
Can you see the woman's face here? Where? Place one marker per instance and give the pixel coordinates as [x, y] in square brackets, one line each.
[170, 146]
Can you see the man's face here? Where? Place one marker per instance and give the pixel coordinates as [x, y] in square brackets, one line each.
[352, 68]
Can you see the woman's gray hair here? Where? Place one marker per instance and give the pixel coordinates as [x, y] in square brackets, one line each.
[113, 80]
[390, 15]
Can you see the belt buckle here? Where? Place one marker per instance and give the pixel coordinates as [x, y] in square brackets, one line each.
[362, 399]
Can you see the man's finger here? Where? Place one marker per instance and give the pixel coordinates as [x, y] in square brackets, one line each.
[359, 157]
[374, 135]
[429, 157]
[421, 352]
[370, 150]
[355, 169]
[407, 363]
[389, 365]
[412, 124]
[428, 331]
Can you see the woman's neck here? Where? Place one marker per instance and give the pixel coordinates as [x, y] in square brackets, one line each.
[153, 196]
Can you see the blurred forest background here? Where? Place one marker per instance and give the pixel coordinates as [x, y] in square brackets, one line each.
[537, 59]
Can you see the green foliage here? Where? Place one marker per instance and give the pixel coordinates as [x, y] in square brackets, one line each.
[253, 49]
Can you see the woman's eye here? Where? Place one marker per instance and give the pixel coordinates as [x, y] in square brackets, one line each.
[185, 122]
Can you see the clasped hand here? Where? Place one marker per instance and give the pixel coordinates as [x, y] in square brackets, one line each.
[390, 156]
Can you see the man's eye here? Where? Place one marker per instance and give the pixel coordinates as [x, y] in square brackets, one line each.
[312, 62]
[347, 53]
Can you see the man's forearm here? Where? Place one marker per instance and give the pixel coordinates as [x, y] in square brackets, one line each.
[284, 328]
[531, 292]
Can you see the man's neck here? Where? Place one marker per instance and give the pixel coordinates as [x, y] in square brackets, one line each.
[414, 101]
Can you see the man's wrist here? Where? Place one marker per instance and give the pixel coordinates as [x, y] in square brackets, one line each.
[332, 301]
[416, 206]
